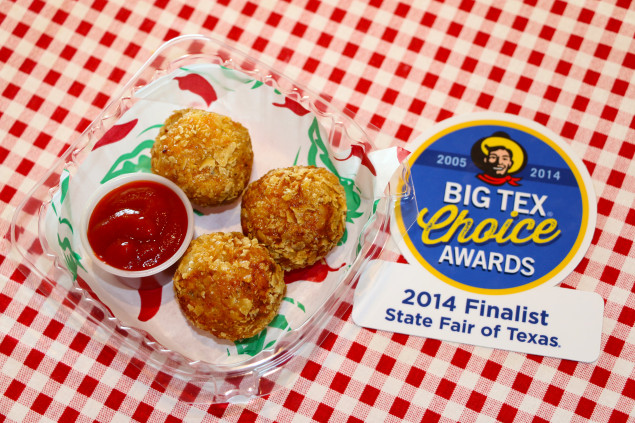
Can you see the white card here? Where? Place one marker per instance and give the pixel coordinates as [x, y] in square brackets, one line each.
[550, 321]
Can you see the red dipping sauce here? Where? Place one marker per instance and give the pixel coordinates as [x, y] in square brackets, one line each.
[137, 226]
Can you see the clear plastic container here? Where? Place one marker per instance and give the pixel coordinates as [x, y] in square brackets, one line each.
[278, 112]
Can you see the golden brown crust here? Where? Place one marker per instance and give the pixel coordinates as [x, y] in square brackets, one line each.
[229, 285]
[298, 213]
[208, 155]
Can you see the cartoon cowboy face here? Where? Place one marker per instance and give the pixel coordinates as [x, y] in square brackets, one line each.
[499, 158]
[498, 161]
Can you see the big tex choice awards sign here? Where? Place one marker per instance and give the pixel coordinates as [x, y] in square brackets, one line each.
[502, 212]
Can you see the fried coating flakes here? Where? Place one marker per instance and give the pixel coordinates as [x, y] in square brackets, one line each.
[298, 213]
[206, 154]
[228, 284]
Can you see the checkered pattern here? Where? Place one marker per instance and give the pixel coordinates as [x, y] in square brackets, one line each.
[396, 65]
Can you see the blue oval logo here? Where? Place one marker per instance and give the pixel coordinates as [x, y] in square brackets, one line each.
[501, 206]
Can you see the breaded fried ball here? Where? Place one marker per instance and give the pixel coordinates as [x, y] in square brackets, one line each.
[206, 154]
[298, 213]
[229, 285]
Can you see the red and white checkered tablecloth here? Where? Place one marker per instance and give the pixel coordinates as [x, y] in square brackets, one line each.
[398, 65]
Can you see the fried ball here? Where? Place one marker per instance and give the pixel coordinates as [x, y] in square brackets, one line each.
[298, 213]
[206, 154]
[229, 285]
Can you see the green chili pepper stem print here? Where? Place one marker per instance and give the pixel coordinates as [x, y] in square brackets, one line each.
[64, 186]
[149, 128]
[318, 150]
[126, 163]
[63, 221]
[71, 258]
[297, 303]
[297, 156]
[255, 344]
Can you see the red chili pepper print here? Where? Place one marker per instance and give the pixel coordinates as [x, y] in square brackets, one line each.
[197, 85]
[150, 299]
[116, 133]
[316, 273]
[292, 105]
[359, 150]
